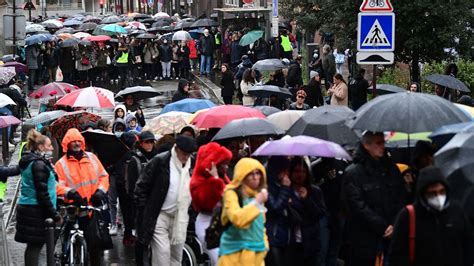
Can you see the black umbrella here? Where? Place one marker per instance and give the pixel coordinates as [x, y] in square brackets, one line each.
[161, 23]
[444, 134]
[71, 42]
[111, 20]
[140, 16]
[407, 112]
[9, 57]
[167, 36]
[85, 43]
[269, 65]
[89, 26]
[106, 145]
[138, 93]
[326, 122]
[448, 81]
[265, 91]
[183, 25]
[65, 30]
[137, 32]
[457, 155]
[204, 23]
[387, 88]
[247, 127]
[267, 110]
[146, 36]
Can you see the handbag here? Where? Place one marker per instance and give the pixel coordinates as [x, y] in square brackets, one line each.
[85, 60]
[59, 75]
[97, 234]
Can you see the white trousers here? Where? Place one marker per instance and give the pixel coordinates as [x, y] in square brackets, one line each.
[166, 69]
[163, 253]
[202, 223]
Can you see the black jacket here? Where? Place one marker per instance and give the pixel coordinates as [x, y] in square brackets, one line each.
[166, 52]
[6, 171]
[137, 163]
[150, 194]
[227, 84]
[314, 95]
[206, 45]
[294, 78]
[442, 238]
[358, 92]
[374, 193]
[30, 218]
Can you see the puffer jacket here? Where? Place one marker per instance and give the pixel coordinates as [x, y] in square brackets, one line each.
[166, 53]
[207, 190]
[374, 192]
[37, 198]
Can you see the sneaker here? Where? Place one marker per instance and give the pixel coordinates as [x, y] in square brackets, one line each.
[177, 78]
[161, 78]
[129, 240]
[113, 230]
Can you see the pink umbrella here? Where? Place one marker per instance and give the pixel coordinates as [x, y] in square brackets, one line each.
[98, 38]
[219, 116]
[137, 25]
[8, 120]
[54, 89]
[90, 97]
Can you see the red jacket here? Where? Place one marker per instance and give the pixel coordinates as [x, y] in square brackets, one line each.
[206, 190]
[192, 49]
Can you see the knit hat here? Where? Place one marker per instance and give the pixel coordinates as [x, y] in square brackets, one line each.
[186, 144]
[313, 74]
[128, 138]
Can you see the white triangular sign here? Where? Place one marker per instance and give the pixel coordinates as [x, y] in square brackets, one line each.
[376, 36]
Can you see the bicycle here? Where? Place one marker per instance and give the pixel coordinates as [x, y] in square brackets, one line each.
[74, 246]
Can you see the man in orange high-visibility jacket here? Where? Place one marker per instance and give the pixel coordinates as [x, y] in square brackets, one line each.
[80, 173]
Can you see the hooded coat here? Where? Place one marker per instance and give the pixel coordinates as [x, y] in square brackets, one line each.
[180, 94]
[442, 238]
[207, 190]
[118, 121]
[124, 109]
[374, 192]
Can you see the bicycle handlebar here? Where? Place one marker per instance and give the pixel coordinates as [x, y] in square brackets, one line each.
[86, 208]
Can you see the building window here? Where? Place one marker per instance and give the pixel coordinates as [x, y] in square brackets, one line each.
[234, 3]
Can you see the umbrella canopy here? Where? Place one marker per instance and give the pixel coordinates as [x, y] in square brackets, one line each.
[146, 36]
[444, 134]
[181, 36]
[161, 15]
[64, 30]
[251, 37]
[184, 24]
[448, 81]
[267, 110]
[81, 35]
[285, 119]
[70, 42]
[387, 88]
[6, 74]
[269, 65]
[91, 19]
[85, 43]
[160, 23]
[114, 28]
[9, 57]
[219, 116]
[188, 105]
[99, 38]
[326, 122]
[45, 117]
[136, 25]
[19, 67]
[34, 28]
[407, 112]
[54, 89]
[265, 91]
[38, 38]
[52, 24]
[468, 110]
[137, 16]
[169, 123]
[111, 19]
[107, 146]
[72, 23]
[167, 36]
[302, 146]
[8, 121]
[246, 127]
[89, 26]
[457, 155]
[71, 120]
[205, 23]
[90, 97]
[138, 93]
[65, 36]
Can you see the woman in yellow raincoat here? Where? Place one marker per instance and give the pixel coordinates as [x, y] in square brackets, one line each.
[244, 242]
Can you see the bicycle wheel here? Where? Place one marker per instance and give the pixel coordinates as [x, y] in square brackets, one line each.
[189, 257]
[79, 252]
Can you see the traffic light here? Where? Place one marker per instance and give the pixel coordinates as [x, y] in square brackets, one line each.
[101, 3]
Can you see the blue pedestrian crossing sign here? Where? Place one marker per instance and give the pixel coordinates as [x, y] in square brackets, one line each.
[376, 32]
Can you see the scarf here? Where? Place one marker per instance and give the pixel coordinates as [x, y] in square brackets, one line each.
[181, 218]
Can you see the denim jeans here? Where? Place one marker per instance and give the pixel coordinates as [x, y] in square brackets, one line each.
[166, 69]
[205, 64]
[331, 229]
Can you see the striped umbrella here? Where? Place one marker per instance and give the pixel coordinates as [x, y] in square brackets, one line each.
[90, 97]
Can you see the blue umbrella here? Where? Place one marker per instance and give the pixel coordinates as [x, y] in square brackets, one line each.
[114, 28]
[38, 38]
[188, 106]
[444, 134]
[72, 22]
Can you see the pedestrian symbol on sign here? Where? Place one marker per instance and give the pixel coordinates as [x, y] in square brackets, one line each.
[376, 36]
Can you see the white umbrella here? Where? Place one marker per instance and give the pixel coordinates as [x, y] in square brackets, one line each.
[81, 35]
[34, 28]
[6, 74]
[181, 36]
[285, 119]
[161, 15]
[5, 100]
[90, 97]
[52, 23]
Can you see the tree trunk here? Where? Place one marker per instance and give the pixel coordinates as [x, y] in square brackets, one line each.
[415, 68]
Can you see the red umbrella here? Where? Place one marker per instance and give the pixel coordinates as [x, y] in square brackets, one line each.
[89, 97]
[19, 67]
[8, 120]
[98, 38]
[54, 89]
[218, 116]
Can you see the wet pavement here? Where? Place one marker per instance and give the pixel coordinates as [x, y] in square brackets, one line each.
[120, 255]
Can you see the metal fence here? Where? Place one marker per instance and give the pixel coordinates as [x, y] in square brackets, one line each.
[4, 255]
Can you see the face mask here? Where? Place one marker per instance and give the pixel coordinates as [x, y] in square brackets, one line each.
[437, 202]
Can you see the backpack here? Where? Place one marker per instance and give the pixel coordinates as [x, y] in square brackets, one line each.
[216, 228]
[140, 166]
[411, 233]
